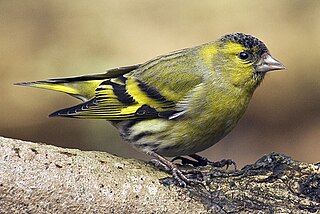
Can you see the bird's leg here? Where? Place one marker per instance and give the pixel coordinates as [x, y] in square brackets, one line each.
[177, 174]
[202, 161]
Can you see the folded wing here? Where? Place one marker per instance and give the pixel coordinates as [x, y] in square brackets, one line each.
[123, 98]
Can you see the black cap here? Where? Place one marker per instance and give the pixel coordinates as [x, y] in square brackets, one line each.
[247, 41]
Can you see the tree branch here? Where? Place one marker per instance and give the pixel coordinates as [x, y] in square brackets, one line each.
[38, 178]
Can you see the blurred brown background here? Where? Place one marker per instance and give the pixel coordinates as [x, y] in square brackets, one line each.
[43, 39]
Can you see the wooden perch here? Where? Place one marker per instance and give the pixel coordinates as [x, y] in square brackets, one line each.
[38, 178]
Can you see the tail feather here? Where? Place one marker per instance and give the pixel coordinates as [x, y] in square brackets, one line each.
[81, 87]
[83, 90]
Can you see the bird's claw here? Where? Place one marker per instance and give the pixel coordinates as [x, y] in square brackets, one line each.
[183, 181]
[178, 175]
[223, 163]
[202, 161]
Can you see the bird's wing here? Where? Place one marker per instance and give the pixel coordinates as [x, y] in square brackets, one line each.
[123, 98]
[154, 90]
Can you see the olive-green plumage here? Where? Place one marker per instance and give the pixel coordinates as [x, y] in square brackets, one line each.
[176, 104]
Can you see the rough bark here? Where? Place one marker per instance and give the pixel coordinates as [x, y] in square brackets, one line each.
[38, 178]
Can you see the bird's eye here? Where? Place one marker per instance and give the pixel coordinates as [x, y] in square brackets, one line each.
[244, 55]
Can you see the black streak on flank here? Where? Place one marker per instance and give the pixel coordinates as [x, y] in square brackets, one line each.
[141, 135]
[126, 128]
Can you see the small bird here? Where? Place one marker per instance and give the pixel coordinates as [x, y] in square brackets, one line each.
[176, 104]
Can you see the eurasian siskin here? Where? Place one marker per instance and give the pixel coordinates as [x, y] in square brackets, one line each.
[176, 104]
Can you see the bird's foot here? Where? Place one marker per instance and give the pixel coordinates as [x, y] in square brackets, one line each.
[179, 175]
[202, 161]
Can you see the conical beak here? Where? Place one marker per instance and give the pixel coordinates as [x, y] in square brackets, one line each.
[268, 63]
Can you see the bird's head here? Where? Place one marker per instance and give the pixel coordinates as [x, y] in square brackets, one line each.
[244, 60]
